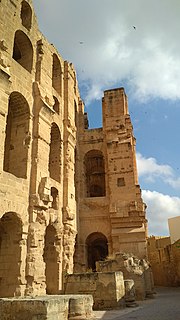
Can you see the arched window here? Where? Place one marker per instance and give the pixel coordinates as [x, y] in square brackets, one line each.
[23, 50]
[26, 15]
[56, 105]
[75, 113]
[54, 194]
[17, 136]
[10, 255]
[95, 174]
[97, 249]
[56, 74]
[51, 260]
[55, 153]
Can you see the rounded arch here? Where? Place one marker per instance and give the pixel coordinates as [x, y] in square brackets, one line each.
[97, 249]
[55, 153]
[56, 105]
[23, 50]
[10, 255]
[26, 15]
[55, 198]
[95, 173]
[75, 113]
[17, 136]
[57, 74]
[51, 260]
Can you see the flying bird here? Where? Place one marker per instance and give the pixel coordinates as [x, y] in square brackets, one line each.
[134, 27]
[81, 42]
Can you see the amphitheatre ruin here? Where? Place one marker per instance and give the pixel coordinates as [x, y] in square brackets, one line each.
[73, 227]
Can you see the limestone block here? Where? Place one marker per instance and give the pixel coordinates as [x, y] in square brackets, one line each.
[53, 307]
[80, 307]
[106, 288]
[133, 268]
[129, 290]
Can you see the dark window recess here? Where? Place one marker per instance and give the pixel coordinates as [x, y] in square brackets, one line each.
[17, 139]
[56, 75]
[23, 50]
[54, 194]
[120, 182]
[95, 174]
[26, 15]
[55, 153]
[56, 105]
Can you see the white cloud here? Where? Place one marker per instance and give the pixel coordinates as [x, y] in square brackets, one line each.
[160, 207]
[150, 170]
[146, 58]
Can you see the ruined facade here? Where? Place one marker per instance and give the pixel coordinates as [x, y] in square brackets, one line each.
[164, 258]
[111, 214]
[69, 195]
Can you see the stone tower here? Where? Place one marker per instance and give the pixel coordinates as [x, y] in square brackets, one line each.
[60, 183]
[111, 212]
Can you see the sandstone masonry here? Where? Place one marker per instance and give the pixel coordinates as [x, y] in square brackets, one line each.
[69, 195]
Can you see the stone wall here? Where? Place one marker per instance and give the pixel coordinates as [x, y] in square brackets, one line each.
[39, 104]
[132, 268]
[109, 195]
[165, 261]
[61, 183]
[47, 308]
[107, 288]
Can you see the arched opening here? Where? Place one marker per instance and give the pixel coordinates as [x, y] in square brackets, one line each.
[75, 113]
[97, 249]
[54, 194]
[23, 50]
[10, 255]
[51, 260]
[75, 173]
[17, 133]
[26, 15]
[56, 105]
[55, 153]
[95, 173]
[56, 74]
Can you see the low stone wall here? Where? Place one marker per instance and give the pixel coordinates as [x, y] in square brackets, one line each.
[132, 268]
[165, 261]
[65, 307]
[106, 288]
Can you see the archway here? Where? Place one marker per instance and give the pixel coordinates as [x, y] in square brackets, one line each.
[23, 50]
[51, 260]
[55, 153]
[56, 105]
[54, 194]
[56, 74]
[97, 249]
[10, 255]
[75, 114]
[17, 136]
[26, 15]
[95, 173]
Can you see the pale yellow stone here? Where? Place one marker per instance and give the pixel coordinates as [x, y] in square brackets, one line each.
[69, 195]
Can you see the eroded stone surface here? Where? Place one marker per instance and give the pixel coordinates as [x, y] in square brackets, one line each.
[107, 288]
[165, 261]
[69, 195]
[46, 308]
[133, 268]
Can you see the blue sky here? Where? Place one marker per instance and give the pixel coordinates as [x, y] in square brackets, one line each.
[98, 37]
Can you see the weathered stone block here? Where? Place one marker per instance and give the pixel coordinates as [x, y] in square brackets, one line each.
[46, 308]
[107, 288]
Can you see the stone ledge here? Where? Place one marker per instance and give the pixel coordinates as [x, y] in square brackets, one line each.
[53, 307]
